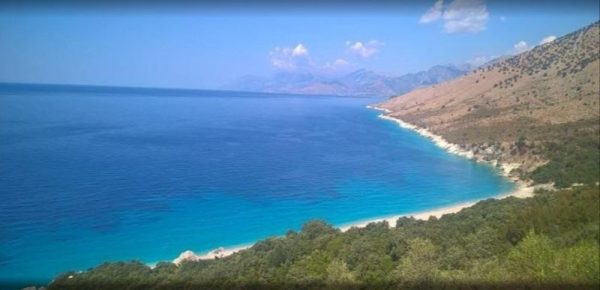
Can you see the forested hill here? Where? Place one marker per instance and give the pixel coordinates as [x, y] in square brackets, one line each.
[539, 108]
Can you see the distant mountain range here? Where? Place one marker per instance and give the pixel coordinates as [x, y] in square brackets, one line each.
[361, 82]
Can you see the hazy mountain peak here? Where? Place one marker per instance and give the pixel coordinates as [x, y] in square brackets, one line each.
[361, 82]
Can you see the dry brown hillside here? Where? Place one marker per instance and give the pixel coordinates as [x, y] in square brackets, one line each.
[519, 105]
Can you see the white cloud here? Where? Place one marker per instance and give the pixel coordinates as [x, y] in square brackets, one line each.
[459, 15]
[339, 65]
[290, 58]
[340, 62]
[465, 16]
[297, 58]
[364, 50]
[548, 39]
[299, 50]
[434, 13]
[521, 47]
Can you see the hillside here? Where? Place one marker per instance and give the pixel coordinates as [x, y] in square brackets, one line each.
[361, 82]
[520, 108]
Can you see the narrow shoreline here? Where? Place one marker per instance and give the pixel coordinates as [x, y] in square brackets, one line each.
[522, 190]
[451, 147]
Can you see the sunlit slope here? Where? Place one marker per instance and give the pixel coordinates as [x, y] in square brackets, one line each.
[518, 106]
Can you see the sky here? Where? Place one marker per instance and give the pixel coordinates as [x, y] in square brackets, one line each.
[206, 46]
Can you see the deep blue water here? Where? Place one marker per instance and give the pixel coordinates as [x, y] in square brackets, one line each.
[95, 174]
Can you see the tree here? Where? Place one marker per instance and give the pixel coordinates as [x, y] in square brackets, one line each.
[521, 144]
[314, 229]
[533, 258]
[420, 263]
[579, 263]
[338, 273]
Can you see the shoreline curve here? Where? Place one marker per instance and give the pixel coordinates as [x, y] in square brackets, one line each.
[522, 190]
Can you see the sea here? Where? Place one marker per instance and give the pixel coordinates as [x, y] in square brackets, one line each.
[94, 174]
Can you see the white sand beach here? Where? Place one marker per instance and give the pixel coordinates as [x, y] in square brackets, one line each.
[522, 190]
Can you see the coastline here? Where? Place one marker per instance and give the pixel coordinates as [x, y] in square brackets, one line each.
[522, 190]
[450, 147]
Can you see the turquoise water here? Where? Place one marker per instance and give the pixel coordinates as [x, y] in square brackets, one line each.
[103, 174]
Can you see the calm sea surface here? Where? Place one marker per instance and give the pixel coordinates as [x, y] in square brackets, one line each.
[102, 174]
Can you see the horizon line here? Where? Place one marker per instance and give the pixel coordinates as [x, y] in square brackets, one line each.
[122, 87]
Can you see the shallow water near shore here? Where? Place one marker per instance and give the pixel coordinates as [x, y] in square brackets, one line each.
[89, 175]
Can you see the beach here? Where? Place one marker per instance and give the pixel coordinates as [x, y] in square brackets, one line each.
[522, 190]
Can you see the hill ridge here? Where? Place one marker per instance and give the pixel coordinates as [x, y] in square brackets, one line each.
[521, 106]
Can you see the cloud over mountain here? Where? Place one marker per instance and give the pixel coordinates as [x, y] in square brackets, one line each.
[285, 58]
[364, 50]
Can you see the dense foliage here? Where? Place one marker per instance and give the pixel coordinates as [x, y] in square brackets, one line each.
[572, 160]
[549, 241]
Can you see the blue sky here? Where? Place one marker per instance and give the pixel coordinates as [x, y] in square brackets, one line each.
[206, 48]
